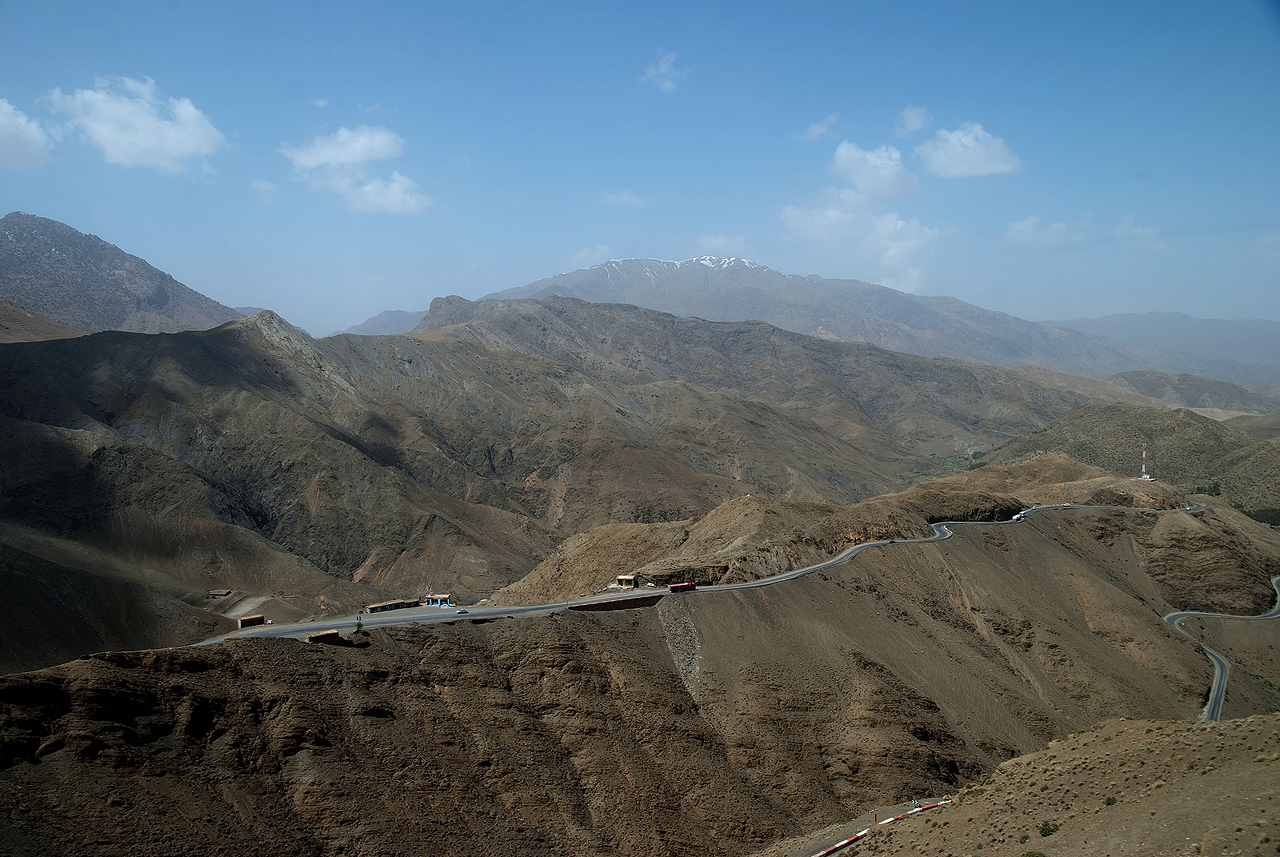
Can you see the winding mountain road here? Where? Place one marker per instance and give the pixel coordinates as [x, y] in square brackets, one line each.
[1221, 666]
[941, 530]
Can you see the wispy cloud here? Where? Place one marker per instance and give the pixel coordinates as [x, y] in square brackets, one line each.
[852, 222]
[895, 247]
[911, 120]
[338, 163]
[662, 72]
[589, 256]
[820, 129]
[968, 151]
[876, 174]
[626, 197]
[133, 126]
[319, 102]
[24, 145]
[1030, 231]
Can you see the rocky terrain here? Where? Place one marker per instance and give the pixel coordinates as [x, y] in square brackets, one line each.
[1214, 559]
[1134, 787]
[1192, 452]
[718, 722]
[54, 271]
[309, 476]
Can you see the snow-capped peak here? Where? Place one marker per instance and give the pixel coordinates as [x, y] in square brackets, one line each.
[721, 262]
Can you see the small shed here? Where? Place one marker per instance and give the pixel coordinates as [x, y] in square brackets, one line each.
[251, 621]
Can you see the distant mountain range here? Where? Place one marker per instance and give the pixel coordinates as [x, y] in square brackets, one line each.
[721, 289]
[50, 269]
[1239, 340]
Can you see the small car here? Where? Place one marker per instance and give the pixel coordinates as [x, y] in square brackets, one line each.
[462, 610]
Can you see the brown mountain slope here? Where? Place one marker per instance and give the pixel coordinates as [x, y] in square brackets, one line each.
[935, 406]
[1217, 399]
[454, 460]
[711, 722]
[22, 325]
[1187, 450]
[1213, 559]
[81, 280]
[1137, 787]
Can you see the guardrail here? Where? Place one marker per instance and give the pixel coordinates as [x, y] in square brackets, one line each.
[862, 834]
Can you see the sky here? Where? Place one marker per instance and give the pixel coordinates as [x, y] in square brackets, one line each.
[333, 160]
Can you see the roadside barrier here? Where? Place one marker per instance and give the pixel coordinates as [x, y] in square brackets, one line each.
[862, 834]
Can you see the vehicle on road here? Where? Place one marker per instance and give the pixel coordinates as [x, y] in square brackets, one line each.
[462, 610]
[687, 586]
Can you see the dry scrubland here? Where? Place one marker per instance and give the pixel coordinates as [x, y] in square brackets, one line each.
[1127, 787]
[720, 723]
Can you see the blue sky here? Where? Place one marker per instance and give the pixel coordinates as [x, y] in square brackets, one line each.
[334, 160]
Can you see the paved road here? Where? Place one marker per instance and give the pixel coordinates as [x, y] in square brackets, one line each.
[1221, 666]
[428, 615]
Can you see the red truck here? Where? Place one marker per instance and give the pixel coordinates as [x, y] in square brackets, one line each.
[687, 586]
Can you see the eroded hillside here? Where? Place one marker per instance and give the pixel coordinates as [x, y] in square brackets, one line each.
[299, 477]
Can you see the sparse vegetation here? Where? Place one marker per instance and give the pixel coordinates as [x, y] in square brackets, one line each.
[1049, 828]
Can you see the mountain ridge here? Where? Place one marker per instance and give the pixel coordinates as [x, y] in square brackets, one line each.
[62, 274]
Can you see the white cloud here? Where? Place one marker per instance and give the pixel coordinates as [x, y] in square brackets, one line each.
[663, 73]
[818, 130]
[622, 197]
[24, 144]
[911, 120]
[319, 102]
[345, 148]
[397, 195]
[967, 151]
[338, 163]
[876, 174]
[892, 246]
[589, 256]
[1029, 231]
[723, 245]
[1129, 232]
[266, 190]
[129, 122]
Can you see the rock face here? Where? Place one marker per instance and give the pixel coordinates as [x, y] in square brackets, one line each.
[80, 280]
